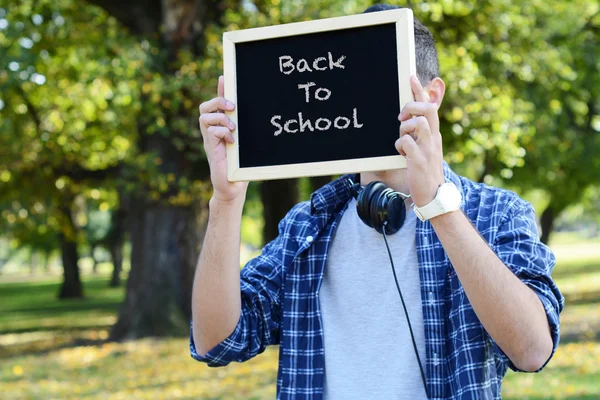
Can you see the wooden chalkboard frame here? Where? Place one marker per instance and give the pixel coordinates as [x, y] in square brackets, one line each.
[403, 18]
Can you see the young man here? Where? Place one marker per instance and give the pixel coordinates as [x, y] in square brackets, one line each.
[475, 279]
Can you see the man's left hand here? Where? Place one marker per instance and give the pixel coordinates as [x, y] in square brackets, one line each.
[421, 143]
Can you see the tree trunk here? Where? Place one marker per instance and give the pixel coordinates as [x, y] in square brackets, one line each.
[47, 255]
[32, 262]
[487, 167]
[547, 222]
[116, 253]
[71, 286]
[317, 182]
[158, 296]
[115, 241]
[165, 242]
[278, 197]
[94, 261]
[165, 239]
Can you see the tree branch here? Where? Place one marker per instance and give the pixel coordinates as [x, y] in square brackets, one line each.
[73, 171]
[78, 174]
[141, 17]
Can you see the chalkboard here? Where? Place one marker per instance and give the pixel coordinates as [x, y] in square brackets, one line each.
[319, 97]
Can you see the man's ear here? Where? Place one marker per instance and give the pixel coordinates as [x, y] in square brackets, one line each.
[436, 90]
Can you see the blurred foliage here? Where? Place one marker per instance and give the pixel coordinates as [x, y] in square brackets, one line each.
[562, 157]
[252, 222]
[78, 90]
[75, 86]
[66, 109]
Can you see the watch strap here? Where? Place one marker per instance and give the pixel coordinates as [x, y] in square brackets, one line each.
[438, 206]
[428, 211]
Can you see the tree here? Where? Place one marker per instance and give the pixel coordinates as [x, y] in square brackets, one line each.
[55, 138]
[31, 230]
[522, 101]
[103, 95]
[562, 158]
[165, 224]
[115, 240]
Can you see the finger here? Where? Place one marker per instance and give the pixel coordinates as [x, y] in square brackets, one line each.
[408, 127]
[418, 129]
[418, 91]
[413, 108]
[409, 148]
[221, 87]
[216, 133]
[213, 119]
[215, 105]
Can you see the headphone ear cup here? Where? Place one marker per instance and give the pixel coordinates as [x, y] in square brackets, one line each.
[376, 204]
[364, 199]
[377, 212]
[360, 205]
[396, 214]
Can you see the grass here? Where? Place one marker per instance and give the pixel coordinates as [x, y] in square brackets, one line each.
[32, 306]
[574, 371]
[57, 350]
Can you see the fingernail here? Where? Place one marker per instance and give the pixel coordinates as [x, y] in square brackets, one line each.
[231, 125]
[229, 104]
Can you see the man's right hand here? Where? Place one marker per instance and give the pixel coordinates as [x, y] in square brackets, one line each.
[217, 128]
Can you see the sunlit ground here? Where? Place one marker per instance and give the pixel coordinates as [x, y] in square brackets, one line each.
[56, 350]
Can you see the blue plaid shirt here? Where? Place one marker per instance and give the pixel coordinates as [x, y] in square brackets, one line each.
[280, 294]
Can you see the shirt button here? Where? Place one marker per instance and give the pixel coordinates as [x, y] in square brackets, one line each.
[309, 239]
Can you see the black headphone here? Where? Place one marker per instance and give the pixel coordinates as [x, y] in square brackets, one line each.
[382, 208]
[378, 206]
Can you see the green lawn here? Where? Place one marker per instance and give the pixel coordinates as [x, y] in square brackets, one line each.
[574, 372]
[32, 306]
[52, 349]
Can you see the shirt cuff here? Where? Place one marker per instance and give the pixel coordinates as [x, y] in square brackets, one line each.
[223, 353]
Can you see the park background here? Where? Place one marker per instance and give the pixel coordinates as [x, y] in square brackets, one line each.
[104, 184]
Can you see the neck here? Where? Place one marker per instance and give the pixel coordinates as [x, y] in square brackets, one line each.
[396, 179]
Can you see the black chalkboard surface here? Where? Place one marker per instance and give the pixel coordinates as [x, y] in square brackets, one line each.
[319, 97]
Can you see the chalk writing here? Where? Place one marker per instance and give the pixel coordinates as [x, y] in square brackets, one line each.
[287, 65]
[321, 124]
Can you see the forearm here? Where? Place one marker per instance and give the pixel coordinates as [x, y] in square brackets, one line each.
[216, 298]
[510, 312]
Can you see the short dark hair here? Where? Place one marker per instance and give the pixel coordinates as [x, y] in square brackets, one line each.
[428, 66]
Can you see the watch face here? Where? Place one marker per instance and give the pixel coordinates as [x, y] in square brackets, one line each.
[450, 196]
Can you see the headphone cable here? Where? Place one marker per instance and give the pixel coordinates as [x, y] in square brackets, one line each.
[412, 336]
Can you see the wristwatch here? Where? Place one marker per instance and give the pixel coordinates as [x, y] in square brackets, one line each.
[447, 199]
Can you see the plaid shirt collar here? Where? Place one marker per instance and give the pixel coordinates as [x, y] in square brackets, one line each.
[328, 198]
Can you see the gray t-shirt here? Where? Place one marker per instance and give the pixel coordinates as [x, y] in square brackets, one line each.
[368, 349]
